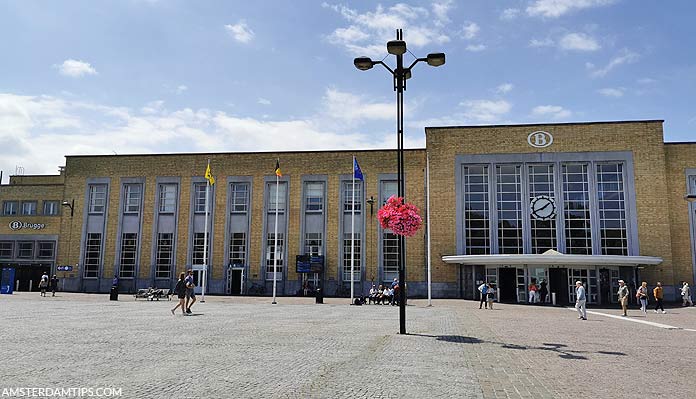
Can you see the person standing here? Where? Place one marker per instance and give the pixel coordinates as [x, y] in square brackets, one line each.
[483, 289]
[490, 293]
[686, 295]
[180, 290]
[190, 294]
[657, 293]
[642, 295]
[54, 284]
[43, 284]
[532, 291]
[623, 297]
[543, 291]
[580, 300]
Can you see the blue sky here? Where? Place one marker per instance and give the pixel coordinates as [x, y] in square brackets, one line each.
[136, 76]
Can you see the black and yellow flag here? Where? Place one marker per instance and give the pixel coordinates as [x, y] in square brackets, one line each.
[277, 169]
[209, 175]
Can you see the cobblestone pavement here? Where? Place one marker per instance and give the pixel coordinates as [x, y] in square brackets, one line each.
[246, 347]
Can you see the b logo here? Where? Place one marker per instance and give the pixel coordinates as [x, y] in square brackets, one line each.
[540, 139]
[15, 225]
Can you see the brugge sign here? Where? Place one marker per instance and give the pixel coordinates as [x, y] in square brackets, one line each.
[540, 139]
[17, 225]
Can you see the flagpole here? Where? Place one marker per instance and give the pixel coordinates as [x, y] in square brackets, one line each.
[275, 238]
[205, 236]
[352, 237]
[427, 206]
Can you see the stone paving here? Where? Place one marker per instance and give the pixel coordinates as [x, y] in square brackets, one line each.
[242, 347]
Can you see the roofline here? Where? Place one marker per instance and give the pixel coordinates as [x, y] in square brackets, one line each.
[680, 142]
[545, 124]
[243, 152]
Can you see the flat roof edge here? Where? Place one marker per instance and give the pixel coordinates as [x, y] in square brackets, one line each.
[544, 124]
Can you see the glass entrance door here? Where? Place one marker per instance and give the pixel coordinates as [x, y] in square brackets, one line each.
[198, 278]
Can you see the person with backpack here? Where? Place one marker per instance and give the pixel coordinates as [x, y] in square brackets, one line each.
[43, 284]
[54, 284]
[483, 289]
[190, 294]
[180, 290]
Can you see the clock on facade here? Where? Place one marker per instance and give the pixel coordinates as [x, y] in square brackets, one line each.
[543, 207]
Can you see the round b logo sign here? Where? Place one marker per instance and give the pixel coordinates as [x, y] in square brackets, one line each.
[15, 225]
[540, 139]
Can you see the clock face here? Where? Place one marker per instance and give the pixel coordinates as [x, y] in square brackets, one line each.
[543, 207]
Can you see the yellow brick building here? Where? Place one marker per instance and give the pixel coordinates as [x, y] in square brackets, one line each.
[511, 205]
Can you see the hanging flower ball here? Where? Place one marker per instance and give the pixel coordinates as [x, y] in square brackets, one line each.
[401, 218]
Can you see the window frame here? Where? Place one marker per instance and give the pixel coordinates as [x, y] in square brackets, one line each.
[14, 208]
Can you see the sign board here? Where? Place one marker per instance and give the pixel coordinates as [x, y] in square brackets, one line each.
[309, 264]
[67, 268]
[17, 225]
[540, 139]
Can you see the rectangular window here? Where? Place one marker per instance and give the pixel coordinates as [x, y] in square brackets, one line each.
[6, 249]
[356, 250]
[476, 210]
[97, 198]
[29, 208]
[389, 188]
[25, 249]
[238, 246]
[576, 208]
[165, 255]
[129, 249]
[390, 256]
[167, 198]
[543, 214]
[348, 198]
[280, 205]
[199, 245]
[46, 249]
[199, 197]
[51, 208]
[271, 254]
[509, 201]
[132, 194]
[313, 244]
[612, 209]
[239, 197]
[314, 197]
[10, 208]
[92, 255]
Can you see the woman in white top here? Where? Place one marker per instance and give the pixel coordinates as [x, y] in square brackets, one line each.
[642, 295]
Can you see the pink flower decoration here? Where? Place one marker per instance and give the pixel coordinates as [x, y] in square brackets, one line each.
[401, 218]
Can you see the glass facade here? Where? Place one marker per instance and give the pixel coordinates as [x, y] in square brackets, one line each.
[576, 209]
[167, 198]
[239, 197]
[97, 198]
[132, 194]
[543, 230]
[238, 249]
[92, 260]
[271, 253]
[509, 204]
[165, 255]
[129, 249]
[612, 209]
[356, 248]
[476, 210]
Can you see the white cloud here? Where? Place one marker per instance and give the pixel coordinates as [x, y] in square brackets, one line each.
[509, 14]
[646, 81]
[612, 92]
[264, 101]
[557, 8]
[541, 42]
[624, 57]
[551, 111]
[476, 47]
[504, 88]
[368, 32]
[578, 41]
[37, 131]
[470, 30]
[75, 68]
[485, 110]
[181, 88]
[240, 31]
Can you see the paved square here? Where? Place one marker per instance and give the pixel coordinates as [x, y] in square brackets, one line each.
[247, 348]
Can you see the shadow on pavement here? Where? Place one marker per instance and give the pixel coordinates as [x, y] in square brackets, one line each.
[561, 349]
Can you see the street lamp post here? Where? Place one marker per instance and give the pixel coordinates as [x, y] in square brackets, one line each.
[70, 205]
[400, 75]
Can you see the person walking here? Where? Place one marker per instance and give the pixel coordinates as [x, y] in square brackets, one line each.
[543, 291]
[686, 295]
[490, 293]
[54, 284]
[657, 293]
[642, 295]
[532, 291]
[190, 294]
[180, 290]
[43, 284]
[623, 297]
[483, 289]
[580, 300]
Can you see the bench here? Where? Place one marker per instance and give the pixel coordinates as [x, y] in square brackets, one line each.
[160, 293]
[142, 293]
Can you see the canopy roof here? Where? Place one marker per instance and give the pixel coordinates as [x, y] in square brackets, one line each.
[552, 257]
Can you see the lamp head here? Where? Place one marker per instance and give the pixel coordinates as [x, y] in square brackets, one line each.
[396, 47]
[66, 203]
[436, 59]
[690, 197]
[407, 74]
[363, 63]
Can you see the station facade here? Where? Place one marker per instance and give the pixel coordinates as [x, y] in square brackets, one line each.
[510, 205]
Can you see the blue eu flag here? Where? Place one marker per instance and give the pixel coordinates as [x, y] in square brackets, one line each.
[357, 173]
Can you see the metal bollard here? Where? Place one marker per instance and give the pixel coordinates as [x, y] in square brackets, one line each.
[31, 282]
[17, 286]
[553, 298]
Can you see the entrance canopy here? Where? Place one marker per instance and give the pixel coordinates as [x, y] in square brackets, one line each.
[552, 257]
